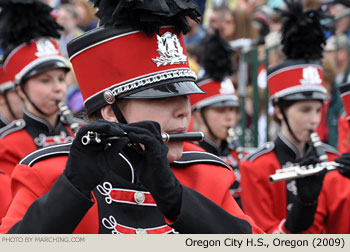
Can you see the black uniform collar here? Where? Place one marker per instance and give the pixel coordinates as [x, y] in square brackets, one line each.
[39, 123]
[287, 152]
[3, 121]
[43, 133]
[213, 148]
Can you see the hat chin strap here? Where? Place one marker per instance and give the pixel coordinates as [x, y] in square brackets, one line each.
[118, 113]
[31, 102]
[288, 126]
[207, 125]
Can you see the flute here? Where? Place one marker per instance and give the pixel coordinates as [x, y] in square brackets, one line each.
[317, 144]
[297, 171]
[96, 138]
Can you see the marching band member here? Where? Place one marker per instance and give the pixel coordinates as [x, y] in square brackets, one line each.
[333, 208]
[343, 121]
[135, 79]
[297, 93]
[33, 61]
[217, 112]
[10, 109]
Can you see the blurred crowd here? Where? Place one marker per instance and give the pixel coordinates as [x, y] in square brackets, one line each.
[239, 115]
[247, 25]
[258, 21]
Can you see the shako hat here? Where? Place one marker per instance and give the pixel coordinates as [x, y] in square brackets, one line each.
[216, 83]
[6, 83]
[137, 52]
[27, 35]
[299, 77]
[344, 90]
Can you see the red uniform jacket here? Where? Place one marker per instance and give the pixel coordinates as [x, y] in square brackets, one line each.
[21, 137]
[333, 210]
[267, 202]
[343, 135]
[5, 194]
[115, 208]
[227, 152]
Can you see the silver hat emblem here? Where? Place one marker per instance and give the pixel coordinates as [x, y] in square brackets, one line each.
[170, 50]
[311, 76]
[109, 97]
[45, 47]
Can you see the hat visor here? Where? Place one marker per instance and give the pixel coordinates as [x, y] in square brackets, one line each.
[167, 90]
[306, 95]
[221, 104]
[48, 65]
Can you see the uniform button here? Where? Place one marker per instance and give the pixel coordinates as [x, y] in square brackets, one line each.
[139, 197]
[18, 123]
[140, 231]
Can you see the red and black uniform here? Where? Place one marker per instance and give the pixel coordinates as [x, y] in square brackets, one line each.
[5, 194]
[268, 203]
[227, 152]
[23, 136]
[119, 204]
[343, 135]
[332, 215]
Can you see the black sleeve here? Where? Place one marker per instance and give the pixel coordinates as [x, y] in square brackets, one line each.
[57, 212]
[199, 215]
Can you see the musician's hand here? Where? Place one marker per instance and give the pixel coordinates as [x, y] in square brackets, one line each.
[301, 216]
[154, 172]
[344, 160]
[310, 187]
[88, 165]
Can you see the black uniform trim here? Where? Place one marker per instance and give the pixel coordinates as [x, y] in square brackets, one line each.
[267, 147]
[196, 210]
[3, 121]
[199, 157]
[46, 152]
[12, 127]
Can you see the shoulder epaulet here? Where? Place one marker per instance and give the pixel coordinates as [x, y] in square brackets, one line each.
[46, 152]
[330, 149]
[198, 157]
[12, 127]
[267, 147]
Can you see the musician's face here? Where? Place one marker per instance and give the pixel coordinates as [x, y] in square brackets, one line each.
[303, 117]
[44, 90]
[220, 120]
[173, 115]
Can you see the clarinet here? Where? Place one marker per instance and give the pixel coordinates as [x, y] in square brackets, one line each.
[67, 116]
[234, 140]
